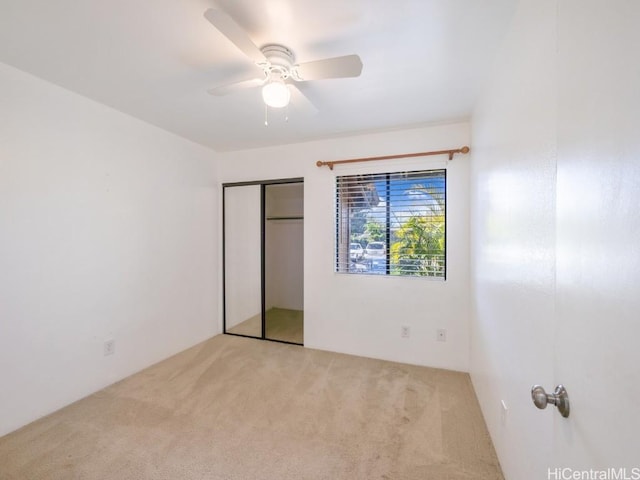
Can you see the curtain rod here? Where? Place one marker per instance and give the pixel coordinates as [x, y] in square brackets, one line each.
[451, 153]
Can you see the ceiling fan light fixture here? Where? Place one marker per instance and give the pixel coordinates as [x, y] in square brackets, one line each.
[276, 94]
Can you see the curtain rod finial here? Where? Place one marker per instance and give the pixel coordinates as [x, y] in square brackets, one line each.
[322, 164]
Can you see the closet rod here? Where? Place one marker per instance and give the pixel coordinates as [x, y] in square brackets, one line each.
[451, 153]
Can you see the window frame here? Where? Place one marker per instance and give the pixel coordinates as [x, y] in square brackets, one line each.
[342, 219]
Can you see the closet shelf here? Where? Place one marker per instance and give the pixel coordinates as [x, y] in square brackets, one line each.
[300, 217]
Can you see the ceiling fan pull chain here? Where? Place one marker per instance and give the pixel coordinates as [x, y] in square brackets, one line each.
[266, 116]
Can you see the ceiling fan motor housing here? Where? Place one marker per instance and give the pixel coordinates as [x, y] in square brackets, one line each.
[279, 61]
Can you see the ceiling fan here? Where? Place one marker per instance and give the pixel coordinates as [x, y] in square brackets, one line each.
[279, 70]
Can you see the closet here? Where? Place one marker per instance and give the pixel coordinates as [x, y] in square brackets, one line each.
[263, 260]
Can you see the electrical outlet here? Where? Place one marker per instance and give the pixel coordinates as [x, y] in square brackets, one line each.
[405, 331]
[441, 335]
[109, 347]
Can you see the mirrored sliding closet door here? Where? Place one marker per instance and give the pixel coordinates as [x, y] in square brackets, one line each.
[263, 248]
[243, 260]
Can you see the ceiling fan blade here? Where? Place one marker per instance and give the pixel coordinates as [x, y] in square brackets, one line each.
[337, 67]
[300, 101]
[230, 29]
[235, 87]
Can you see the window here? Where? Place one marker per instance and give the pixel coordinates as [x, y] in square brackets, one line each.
[392, 224]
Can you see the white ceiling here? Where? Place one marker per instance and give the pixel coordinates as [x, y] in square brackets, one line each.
[424, 61]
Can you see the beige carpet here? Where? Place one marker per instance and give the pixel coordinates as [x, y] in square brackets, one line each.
[239, 408]
[281, 324]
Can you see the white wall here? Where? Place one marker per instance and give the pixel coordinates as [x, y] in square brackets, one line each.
[513, 240]
[107, 230]
[363, 315]
[598, 233]
[284, 257]
[555, 266]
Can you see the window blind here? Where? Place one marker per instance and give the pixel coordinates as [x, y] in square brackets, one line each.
[391, 224]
